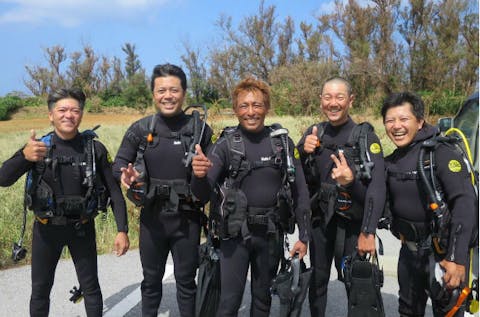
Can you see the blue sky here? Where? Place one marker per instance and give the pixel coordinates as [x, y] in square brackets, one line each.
[156, 27]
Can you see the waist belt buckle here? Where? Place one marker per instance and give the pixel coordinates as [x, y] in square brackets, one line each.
[163, 191]
[58, 221]
[257, 219]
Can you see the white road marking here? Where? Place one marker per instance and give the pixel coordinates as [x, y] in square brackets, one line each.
[132, 299]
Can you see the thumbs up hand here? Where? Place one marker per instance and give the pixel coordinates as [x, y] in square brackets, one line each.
[34, 150]
[311, 141]
[200, 163]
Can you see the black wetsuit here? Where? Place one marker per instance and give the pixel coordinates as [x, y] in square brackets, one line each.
[49, 239]
[163, 231]
[408, 205]
[332, 231]
[262, 251]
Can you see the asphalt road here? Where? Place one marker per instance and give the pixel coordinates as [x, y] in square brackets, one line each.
[120, 279]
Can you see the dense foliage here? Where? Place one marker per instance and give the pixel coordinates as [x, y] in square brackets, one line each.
[381, 46]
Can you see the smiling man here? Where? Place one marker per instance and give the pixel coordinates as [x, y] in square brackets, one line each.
[65, 194]
[344, 168]
[403, 117]
[247, 169]
[151, 164]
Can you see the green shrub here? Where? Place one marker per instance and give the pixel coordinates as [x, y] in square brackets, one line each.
[115, 101]
[9, 104]
[94, 104]
[33, 102]
[444, 103]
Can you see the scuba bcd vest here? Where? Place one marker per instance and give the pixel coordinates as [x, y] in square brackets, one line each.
[40, 197]
[328, 199]
[48, 207]
[439, 227]
[169, 193]
[440, 224]
[425, 176]
[230, 212]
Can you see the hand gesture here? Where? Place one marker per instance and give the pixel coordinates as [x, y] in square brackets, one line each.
[341, 172]
[311, 141]
[300, 248]
[35, 150]
[129, 175]
[200, 163]
[454, 274]
[121, 243]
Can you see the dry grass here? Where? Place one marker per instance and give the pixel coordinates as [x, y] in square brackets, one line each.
[15, 132]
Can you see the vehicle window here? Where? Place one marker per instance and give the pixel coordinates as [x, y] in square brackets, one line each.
[467, 121]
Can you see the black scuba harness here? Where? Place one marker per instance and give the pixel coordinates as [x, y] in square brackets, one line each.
[425, 175]
[52, 209]
[171, 193]
[328, 199]
[230, 211]
[40, 197]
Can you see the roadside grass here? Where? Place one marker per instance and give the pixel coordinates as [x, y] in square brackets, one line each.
[15, 133]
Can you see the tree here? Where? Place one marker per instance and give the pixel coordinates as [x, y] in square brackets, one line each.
[254, 42]
[117, 76]
[56, 56]
[81, 71]
[225, 70]
[296, 87]
[39, 81]
[44, 79]
[196, 71]
[285, 40]
[104, 74]
[470, 37]
[354, 26]
[135, 89]
[386, 55]
[415, 29]
[132, 63]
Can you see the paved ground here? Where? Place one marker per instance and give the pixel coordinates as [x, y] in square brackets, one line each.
[120, 281]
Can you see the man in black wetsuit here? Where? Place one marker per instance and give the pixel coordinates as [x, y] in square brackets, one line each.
[403, 117]
[347, 200]
[152, 154]
[64, 200]
[251, 184]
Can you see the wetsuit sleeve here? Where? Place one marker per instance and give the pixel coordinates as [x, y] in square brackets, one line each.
[104, 167]
[375, 195]
[461, 200]
[13, 168]
[301, 198]
[203, 187]
[127, 152]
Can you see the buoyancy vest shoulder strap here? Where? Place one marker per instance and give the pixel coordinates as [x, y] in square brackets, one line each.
[358, 143]
[35, 175]
[188, 134]
[358, 134]
[357, 147]
[239, 166]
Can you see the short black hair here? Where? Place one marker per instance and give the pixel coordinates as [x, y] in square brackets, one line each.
[63, 93]
[339, 79]
[165, 70]
[399, 98]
